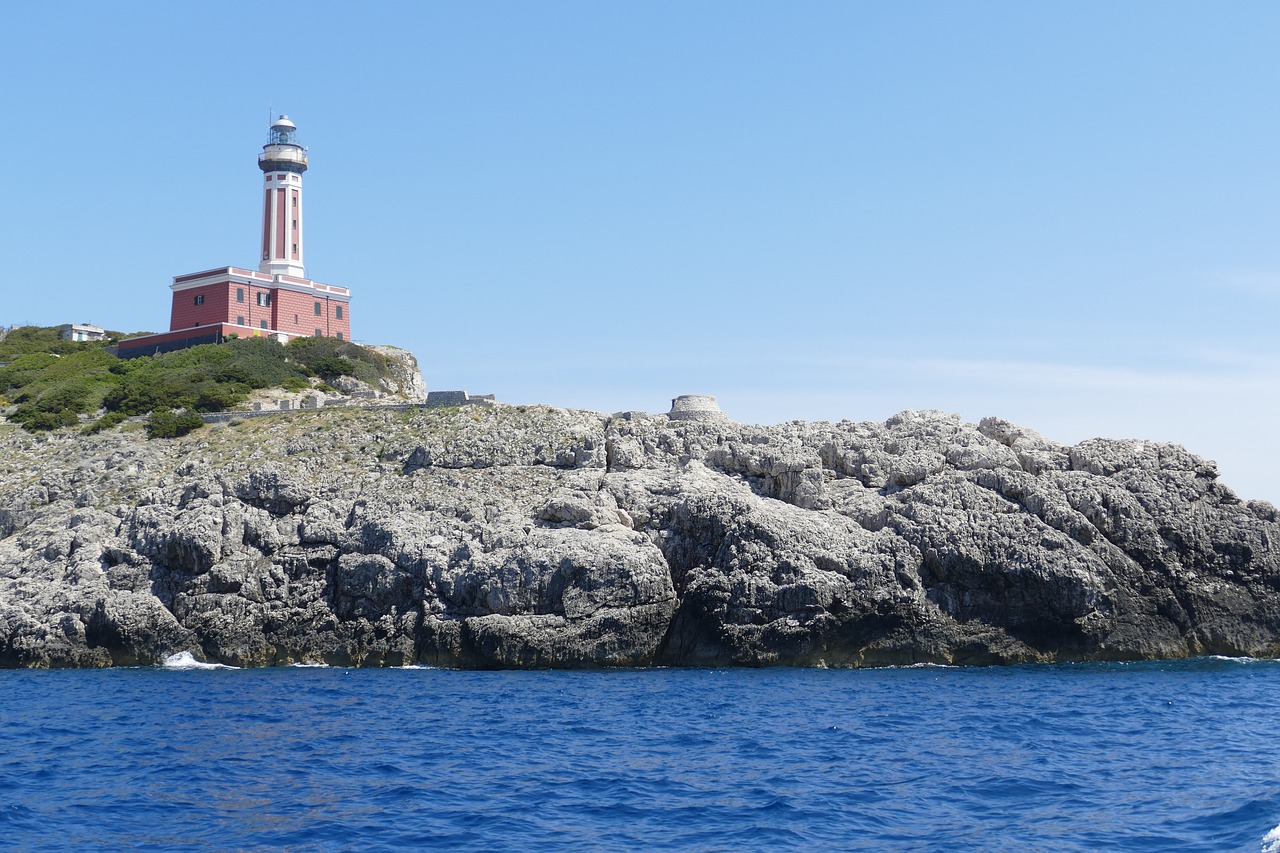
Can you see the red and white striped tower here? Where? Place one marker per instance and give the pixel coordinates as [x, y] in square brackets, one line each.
[282, 162]
[278, 300]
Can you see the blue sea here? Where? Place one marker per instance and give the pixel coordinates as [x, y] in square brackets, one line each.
[1101, 757]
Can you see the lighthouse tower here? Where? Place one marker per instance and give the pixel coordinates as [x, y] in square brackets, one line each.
[276, 300]
[282, 162]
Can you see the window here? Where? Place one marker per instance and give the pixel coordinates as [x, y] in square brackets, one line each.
[239, 294]
[295, 319]
[337, 311]
[339, 335]
[295, 201]
[295, 225]
[317, 309]
[264, 324]
[319, 334]
[239, 321]
[264, 299]
[295, 248]
[200, 299]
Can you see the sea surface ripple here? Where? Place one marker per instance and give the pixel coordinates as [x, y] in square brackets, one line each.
[1164, 757]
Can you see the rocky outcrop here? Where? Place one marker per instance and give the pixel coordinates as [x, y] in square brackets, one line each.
[405, 379]
[540, 537]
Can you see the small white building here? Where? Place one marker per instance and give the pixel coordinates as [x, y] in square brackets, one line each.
[82, 332]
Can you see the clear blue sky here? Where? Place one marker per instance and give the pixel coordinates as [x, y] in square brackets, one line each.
[1064, 214]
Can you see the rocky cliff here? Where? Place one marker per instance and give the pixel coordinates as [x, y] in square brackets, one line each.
[536, 537]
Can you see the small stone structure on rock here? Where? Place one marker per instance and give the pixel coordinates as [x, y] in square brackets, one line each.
[696, 407]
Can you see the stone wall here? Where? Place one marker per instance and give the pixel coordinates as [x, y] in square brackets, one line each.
[695, 407]
[316, 402]
[457, 398]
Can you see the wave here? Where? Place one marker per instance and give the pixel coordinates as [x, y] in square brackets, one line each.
[302, 665]
[1271, 841]
[186, 660]
[1243, 660]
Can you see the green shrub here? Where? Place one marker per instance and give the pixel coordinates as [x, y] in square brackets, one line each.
[107, 421]
[76, 395]
[25, 369]
[35, 339]
[165, 423]
[332, 365]
[52, 380]
[330, 357]
[37, 420]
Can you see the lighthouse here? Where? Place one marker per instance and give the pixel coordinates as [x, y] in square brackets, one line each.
[276, 300]
[282, 162]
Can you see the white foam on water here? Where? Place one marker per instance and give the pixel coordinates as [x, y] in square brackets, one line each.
[186, 660]
[1271, 841]
[414, 666]
[301, 665]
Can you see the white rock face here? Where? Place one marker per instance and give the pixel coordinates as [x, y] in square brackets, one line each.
[532, 536]
[406, 379]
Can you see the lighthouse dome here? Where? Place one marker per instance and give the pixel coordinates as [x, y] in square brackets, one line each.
[283, 132]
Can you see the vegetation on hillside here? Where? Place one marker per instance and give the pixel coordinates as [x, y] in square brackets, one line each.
[52, 382]
[23, 340]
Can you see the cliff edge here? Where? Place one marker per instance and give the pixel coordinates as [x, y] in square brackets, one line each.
[543, 537]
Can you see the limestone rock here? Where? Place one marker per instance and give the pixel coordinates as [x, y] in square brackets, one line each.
[540, 537]
[406, 378]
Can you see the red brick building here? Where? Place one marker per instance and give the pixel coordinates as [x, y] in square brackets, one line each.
[277, 299]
